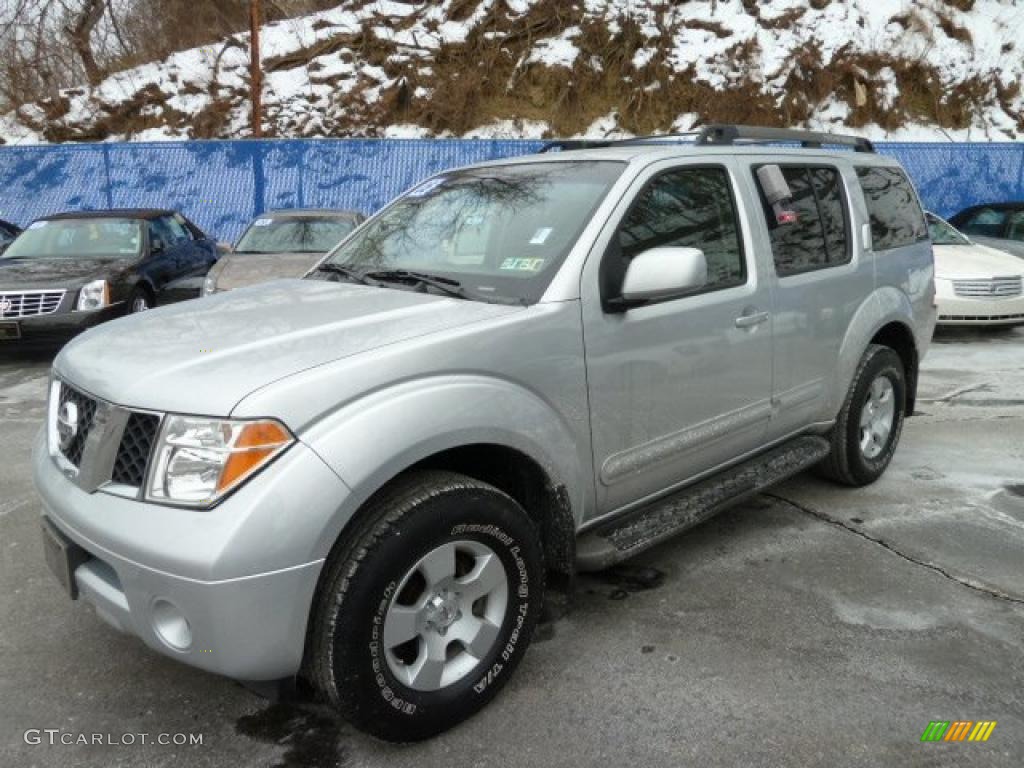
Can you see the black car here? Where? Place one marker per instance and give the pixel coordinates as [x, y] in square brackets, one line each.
[69, 272]
[8, 232]
[999, 225]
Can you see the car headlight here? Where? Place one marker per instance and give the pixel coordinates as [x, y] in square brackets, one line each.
[200, 460]
[209, 284]
[94, 295]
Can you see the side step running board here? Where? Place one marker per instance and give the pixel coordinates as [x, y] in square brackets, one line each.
[641, 529]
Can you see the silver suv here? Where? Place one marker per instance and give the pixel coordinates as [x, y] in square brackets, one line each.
[370, 477]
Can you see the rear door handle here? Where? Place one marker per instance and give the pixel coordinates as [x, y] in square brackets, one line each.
[749, 321]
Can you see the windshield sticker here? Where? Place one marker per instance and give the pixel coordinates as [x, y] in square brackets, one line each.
[523, 265]
[540, 236]
[427, 187]
[263, 222]
[37, 225]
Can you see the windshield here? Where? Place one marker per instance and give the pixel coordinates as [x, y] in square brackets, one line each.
[294, 234]
[502, 231]
[943, 233]
[77, 239]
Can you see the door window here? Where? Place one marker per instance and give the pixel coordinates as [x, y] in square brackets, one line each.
[896, 217]
[177, 230]
[988, 222]
[160, 233]
[1015, 227]
[688, 207]
[819, 235]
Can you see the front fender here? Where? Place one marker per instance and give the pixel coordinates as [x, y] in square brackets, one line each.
[371, 440]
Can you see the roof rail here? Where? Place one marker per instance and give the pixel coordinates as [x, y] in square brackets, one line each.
[564, 145]
[724, 135]
[728, 135]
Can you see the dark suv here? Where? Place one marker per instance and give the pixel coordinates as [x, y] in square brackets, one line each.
[69, 272]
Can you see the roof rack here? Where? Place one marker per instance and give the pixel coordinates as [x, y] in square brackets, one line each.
[718, 135]
[724, 135]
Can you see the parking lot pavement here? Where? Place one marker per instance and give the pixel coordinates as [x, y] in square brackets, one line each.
[812, 626]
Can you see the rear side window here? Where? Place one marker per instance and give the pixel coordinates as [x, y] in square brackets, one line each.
[896, 217]
[818, 238]
[689, 207]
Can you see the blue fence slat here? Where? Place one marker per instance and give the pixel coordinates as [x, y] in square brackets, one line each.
[222, 185]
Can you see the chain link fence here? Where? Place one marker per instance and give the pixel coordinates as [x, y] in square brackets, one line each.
[221, 185]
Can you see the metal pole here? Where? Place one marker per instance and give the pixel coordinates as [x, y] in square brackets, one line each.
[255, 69]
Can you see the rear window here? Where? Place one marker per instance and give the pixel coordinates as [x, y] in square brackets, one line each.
[896, 216]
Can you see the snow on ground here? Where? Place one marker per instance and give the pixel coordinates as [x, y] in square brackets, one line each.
[312, 92]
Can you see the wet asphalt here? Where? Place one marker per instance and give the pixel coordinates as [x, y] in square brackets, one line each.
[812, 626]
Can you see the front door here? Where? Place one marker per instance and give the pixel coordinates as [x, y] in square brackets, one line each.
[680, 386]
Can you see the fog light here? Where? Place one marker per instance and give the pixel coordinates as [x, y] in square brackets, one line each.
[171, 626]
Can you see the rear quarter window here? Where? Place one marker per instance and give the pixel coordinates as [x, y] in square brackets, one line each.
[896, 217]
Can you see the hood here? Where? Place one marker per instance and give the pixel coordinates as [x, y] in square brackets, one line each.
[56, 273]
[974, 261]
[237, 271]
[1014, 247]
[204, 356]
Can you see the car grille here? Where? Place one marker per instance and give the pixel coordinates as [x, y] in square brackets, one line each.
[135, 448]
[117, 456]
[15, 305]
[997, 287]
[86, 411]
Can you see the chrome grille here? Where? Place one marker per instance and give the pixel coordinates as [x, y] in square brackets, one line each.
[996, 287]
[18, 304]
[135, 448]
[86, 411]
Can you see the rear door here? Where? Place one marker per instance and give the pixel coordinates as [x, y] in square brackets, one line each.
[818, 285]
[680, 386]
[202, 252]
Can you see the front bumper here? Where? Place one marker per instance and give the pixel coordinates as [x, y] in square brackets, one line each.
[959, 310]
[59, 328]
[240, 574]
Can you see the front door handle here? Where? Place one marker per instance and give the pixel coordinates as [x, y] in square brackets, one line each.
[749, 321]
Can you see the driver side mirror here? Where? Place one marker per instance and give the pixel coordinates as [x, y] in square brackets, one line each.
[156, 245]
[662, 273]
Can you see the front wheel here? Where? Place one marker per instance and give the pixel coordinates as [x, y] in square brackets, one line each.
[424, 614]
[868, 428]
[140, 301]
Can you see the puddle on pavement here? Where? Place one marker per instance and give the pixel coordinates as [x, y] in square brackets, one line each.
[627, 579]
[310, 733]
[1010, 500]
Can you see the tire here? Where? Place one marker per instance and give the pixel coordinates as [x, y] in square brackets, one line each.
[379, 578]
[850, 462]
[141, 300]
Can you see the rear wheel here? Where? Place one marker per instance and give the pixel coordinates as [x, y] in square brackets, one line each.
[868, 429]
[424, 614]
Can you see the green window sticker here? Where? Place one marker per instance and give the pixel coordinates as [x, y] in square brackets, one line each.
[522, 265]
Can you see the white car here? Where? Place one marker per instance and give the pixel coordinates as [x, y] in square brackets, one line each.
[974, 284]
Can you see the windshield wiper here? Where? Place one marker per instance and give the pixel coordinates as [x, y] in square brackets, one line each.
[446, 285]
[347, 272]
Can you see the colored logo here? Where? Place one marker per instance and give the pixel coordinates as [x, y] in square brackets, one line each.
[958, 730]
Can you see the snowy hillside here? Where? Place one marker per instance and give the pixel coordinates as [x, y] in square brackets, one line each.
[899, 69]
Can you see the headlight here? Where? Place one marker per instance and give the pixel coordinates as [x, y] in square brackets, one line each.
[209, 284]
[94, 295]
[199, 460]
